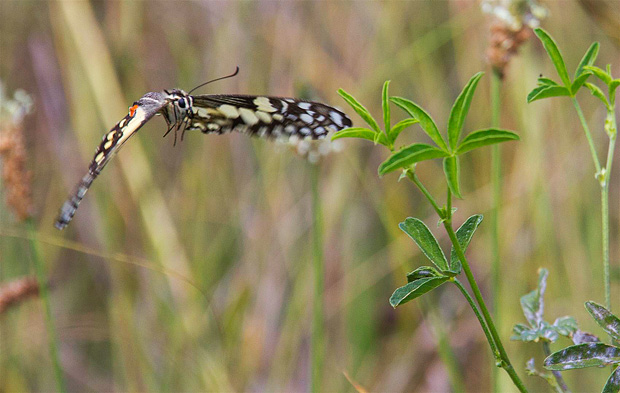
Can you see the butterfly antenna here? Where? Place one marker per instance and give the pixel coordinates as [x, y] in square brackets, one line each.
[215, 80]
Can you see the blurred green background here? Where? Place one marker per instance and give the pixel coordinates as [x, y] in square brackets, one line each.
[188, 268]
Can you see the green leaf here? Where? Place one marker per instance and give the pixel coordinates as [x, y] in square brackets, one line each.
[542, 81]
[460, 109]
[598, 93]
[588, 59]
[423, 272]
[554, 53]
[488, 136]
[608, 321]
[400, 126]
[426, 122]
[385, 102]
[533, 304]
[360, 110]
[613, 382]
[452, 170]
[612, 90]
[583, 355]
[547, 91]
[565, 326]
[548, 332]
[423, 237]
[524, 333]
[410, 155]
[415, 289]
[579, 81]
[463, 235]
[362, 133]
[599, 73]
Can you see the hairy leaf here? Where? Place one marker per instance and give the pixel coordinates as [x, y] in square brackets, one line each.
[598, 93]
[464, 235]
[532, 303]
[362, 133]
[613, 382]
[360, 110]
[583, 355]
[587, 60]
[426, 122]
[460, 109]
[452, 170]
[385, 102]
[608, 321]
[554, 53]
[415, 289]
[400, 126]
[423, 237]
[599, 73]
[485, 137]
[546, 92]
[410, 155]
[423, 272]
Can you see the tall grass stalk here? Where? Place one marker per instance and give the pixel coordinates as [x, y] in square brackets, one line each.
[318, 328]
[496, 176]
[603, 176]
[41, 273]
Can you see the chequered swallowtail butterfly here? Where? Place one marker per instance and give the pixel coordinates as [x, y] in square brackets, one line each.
[267, 117]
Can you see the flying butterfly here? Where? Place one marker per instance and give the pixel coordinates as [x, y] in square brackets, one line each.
[262, 116]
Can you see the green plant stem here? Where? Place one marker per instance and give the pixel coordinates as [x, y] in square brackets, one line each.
[496, 174]
[586, 130]
[556, 374]
[505, 361]
[446, 216]
[603, 175]
[605, 239]
[318, 333]
[483, 324]
[605, 211]
[41, 273]
[414, 178]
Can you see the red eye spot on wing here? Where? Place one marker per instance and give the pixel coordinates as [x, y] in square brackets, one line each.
[132, 110]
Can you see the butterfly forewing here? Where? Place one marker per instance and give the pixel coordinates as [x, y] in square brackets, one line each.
[139, 113]
[271, 117]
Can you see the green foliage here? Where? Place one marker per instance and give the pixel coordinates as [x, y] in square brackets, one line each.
[374, 133]
[485, 137]
[605, 319]
[464, 234]
[427, 278]
[582, 356]
[452, 171]
[408, 156]
[593, 354]
[423, 237]
[538, 329]
[460, 109]
[549, 88]
[419, 282]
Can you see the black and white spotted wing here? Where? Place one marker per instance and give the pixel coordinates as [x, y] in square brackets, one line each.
[269, 117]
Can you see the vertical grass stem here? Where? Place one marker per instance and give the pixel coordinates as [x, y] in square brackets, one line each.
[496, 175]
[318, 333]
[41, 273]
